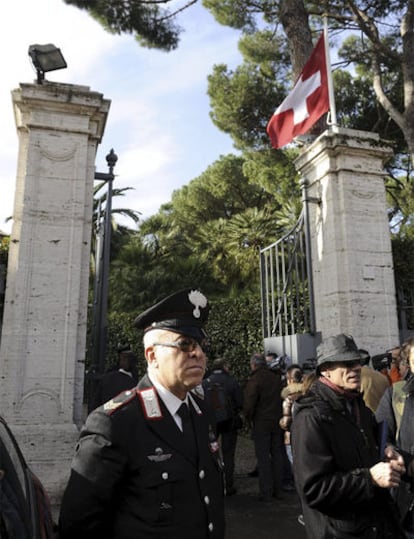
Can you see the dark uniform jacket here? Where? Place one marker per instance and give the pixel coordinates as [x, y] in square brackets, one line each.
[133, 478]
[262, 400]
[331, 459]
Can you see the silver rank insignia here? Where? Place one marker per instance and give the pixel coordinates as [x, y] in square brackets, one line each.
[159, 456]
[111, 405]
[150, 403]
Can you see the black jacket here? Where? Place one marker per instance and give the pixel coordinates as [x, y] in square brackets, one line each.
[404, 439]
[331, 459]
[262, 400]
[132, 476]
[233, 393]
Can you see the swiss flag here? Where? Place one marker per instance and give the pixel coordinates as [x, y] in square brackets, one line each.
[305, 104]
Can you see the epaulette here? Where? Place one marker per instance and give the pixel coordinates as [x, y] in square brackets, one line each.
[119, 401]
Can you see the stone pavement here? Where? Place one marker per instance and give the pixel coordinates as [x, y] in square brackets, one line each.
[249, 518]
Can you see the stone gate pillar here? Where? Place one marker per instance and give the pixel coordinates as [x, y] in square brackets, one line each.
[351, 248]
[42, 347]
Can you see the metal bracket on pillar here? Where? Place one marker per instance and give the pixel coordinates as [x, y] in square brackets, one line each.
[100, 294]
[314, 200]
[304, 184]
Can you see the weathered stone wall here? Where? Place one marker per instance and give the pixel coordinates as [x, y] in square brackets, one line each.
[42, 347]
[351, 246]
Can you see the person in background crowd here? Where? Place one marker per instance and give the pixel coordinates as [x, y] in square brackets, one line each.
[394, 372]
[148, 464]
[396, 411]
[404, 369]
[263, 410]
[373, 383]
[120, 379]
[387, 364]
[307, 381]
[292, 391]
[278, 364]
[399, 364]
[271, 357]
[225, 396]
[342, 479]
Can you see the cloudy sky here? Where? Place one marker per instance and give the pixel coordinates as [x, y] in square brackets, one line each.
[158, 123]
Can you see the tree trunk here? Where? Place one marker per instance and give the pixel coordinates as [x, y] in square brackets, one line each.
[295, 21]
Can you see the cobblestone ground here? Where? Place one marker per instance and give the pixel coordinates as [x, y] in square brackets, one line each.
[249, 518]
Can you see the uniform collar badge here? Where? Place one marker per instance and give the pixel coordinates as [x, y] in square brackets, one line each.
[150, 403]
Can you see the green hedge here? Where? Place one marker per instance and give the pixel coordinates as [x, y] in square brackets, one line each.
[235, 331]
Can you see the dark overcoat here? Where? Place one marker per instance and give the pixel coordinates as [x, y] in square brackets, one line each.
[332, 455]
[133, 477]
[233, 393]
[262, 399]
[401, 433]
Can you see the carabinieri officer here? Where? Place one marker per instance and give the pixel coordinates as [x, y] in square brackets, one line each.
[148, 464]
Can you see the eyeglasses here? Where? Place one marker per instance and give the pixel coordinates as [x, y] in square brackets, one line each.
[185, 345]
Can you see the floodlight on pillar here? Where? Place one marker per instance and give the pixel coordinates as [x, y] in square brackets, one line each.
[46, 58]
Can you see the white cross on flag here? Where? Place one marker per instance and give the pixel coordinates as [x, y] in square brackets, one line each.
[305, 104]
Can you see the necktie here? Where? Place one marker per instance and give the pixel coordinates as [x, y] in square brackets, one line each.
[188, 430]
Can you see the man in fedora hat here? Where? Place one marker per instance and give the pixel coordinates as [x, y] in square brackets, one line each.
[342, 474]
[147, 463]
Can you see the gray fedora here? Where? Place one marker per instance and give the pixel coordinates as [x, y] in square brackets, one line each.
[337, 348]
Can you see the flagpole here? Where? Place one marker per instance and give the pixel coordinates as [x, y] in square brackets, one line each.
[332, 120]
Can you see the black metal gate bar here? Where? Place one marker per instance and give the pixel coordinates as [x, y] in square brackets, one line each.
[284, 282]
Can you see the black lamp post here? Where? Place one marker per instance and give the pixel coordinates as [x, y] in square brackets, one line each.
[100, 296]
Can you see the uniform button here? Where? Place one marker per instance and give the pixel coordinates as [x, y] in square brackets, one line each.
[201, 474]
[206, 500]
[210, 527]
[164, 475]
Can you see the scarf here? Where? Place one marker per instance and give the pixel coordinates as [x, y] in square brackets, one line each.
[350, 395]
